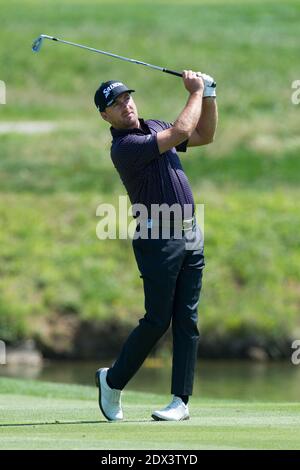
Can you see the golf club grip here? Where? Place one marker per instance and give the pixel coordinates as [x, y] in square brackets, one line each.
[178, 74]
[172, 72]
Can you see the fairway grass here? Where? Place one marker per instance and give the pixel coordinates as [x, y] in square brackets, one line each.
[40, 415]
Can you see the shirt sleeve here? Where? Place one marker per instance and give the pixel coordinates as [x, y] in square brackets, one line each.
[135, 152]
[182, 147]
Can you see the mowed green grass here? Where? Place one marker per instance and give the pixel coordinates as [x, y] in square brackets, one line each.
[36, 415]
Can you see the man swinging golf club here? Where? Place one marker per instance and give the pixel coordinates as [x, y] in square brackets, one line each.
[144, 152]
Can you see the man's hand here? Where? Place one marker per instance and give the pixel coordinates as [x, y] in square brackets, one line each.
[192, 82]
[209, 91]
[187, 120]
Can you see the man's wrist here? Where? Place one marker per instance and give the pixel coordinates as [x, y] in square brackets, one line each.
[198, 93]
[212, 97]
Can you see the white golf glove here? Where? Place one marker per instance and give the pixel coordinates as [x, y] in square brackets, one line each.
[208, 89]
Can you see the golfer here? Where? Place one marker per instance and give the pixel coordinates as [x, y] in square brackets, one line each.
[144, 152]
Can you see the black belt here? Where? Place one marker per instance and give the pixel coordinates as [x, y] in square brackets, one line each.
[185, 224]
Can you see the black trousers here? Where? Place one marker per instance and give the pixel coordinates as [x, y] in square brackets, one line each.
[171, 270]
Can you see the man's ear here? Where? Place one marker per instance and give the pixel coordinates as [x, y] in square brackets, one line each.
[104, 115]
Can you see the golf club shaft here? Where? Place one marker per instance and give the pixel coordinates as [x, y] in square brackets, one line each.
[110, 54]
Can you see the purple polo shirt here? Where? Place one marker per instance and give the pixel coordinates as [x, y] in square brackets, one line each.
[148, 176]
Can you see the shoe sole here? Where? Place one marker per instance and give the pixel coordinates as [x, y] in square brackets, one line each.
[157, 418]
[97, 380]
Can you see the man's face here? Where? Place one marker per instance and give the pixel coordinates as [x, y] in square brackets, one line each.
[122, 114]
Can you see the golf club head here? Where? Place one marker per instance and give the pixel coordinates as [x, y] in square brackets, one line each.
[37, 44]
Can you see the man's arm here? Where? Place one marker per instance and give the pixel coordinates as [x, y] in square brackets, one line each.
[186, 123]
[206, 127]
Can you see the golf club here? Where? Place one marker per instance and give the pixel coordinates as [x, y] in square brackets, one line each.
[37, 44]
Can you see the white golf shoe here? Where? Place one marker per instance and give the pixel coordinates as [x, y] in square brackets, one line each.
[175, 411]
[109, 398]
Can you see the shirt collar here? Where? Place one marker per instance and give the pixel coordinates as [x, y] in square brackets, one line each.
[144, 129]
